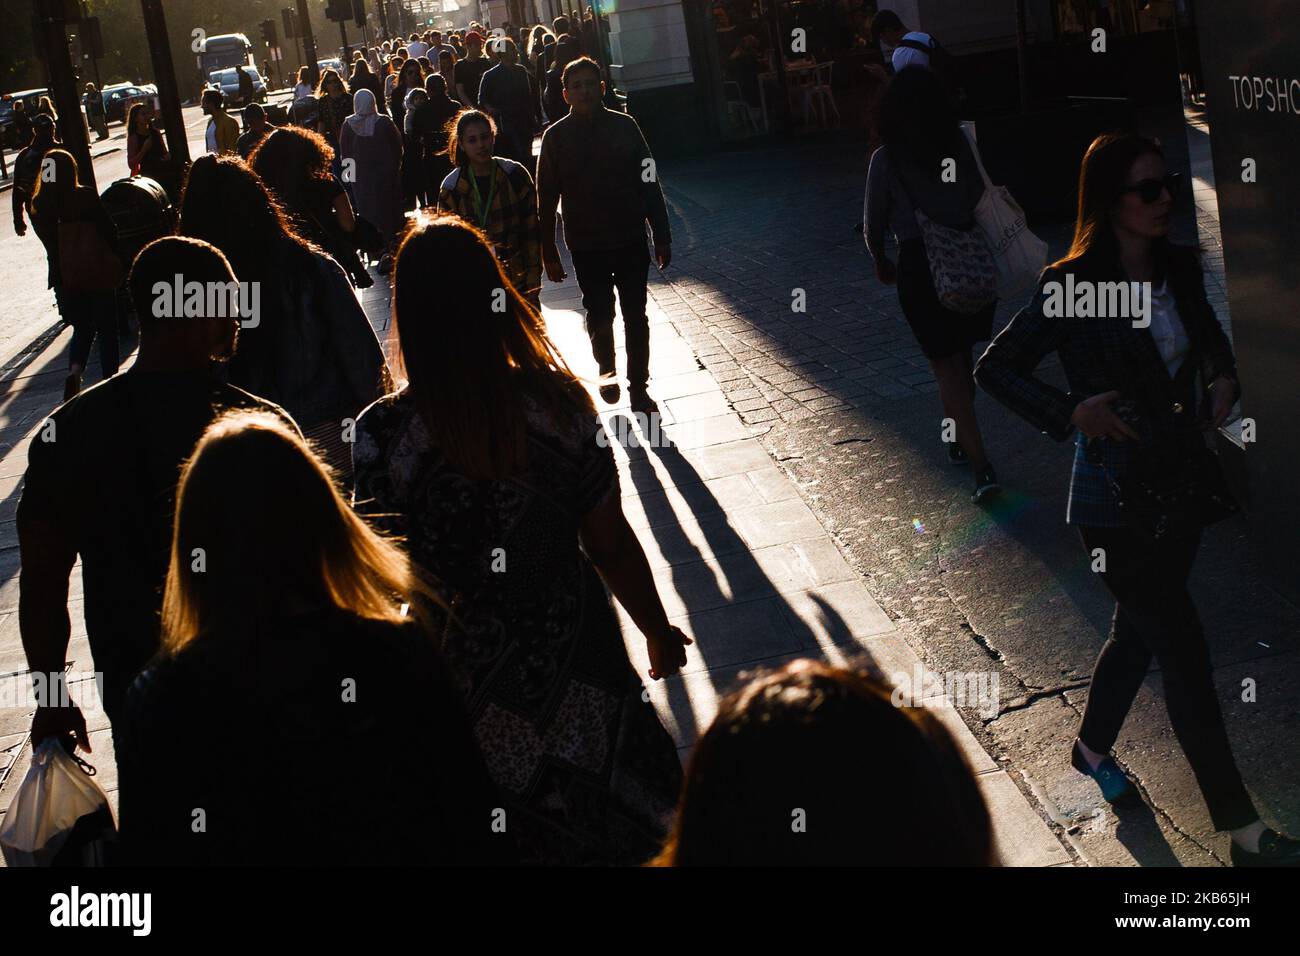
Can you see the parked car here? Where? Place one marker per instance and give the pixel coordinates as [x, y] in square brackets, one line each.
[228, 82]
[120, 97]
[31, 99]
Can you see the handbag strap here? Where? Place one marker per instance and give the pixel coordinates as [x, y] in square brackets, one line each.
[975, 151]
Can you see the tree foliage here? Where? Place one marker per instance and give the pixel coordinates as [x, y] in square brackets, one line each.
[126, 49]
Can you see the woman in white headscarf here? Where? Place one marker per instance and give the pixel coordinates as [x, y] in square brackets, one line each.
[370, 146]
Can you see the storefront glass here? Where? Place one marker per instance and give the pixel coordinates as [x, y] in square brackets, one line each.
[793, 65]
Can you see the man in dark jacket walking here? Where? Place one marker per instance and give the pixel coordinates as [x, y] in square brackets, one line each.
[598, 163]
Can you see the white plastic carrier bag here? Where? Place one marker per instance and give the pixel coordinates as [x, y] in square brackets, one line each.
[60, 816]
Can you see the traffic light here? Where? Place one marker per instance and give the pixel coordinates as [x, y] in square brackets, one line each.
[289, 17]
[338, 10]
[268, 33]
[359, 12]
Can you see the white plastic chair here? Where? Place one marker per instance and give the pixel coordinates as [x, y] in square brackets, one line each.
[820, 96]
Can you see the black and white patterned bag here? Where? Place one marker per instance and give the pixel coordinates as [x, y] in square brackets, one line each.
[961, 263]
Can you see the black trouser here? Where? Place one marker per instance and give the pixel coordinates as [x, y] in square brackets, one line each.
[1155, 616]
[599, 274]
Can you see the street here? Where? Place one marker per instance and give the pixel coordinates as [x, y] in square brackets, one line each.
[804, 508]
[29, 305]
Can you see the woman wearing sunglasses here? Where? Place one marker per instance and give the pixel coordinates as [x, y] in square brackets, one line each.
[1136, 383]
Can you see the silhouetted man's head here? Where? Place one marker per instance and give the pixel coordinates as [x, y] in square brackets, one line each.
[887, 28]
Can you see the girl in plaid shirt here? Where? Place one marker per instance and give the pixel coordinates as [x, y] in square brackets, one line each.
[496, 195]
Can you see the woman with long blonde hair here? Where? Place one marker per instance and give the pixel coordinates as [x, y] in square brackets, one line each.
[493, 463]
[285, 647]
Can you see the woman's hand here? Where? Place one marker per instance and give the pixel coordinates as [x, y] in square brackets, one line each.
[667, 652]
[1223, 395]
[1096, 419]
[886, 271]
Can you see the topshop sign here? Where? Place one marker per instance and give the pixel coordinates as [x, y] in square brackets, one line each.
[1269, 94]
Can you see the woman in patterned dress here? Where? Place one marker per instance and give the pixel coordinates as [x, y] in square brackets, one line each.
[493, 465]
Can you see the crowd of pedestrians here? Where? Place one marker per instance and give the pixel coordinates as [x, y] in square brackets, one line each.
[297, 547]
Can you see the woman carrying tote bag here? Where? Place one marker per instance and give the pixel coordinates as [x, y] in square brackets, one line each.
[924, 184]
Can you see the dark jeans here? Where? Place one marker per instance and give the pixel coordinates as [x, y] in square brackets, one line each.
[599, 274]
[1155, 616]
[515, 141]
[91, 313]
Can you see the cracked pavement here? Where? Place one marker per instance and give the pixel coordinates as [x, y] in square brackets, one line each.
[846, 406]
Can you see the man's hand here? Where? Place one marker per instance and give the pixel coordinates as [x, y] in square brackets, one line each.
[60, 722]
[886, 271]
[663, 256]
[667, 652]
[1096, 419]
[551, 263]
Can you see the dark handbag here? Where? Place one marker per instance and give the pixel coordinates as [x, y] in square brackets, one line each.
[1171, 506]
[366, 237]
[1173, 491]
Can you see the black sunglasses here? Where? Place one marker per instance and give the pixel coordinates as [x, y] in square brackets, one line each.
[1149, 190]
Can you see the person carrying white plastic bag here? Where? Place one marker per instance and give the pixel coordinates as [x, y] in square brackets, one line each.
[59, 816]
[1018, 254]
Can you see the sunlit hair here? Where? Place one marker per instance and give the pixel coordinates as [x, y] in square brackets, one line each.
[54, 193]
[407, 69]
[467, 363]
[456, 131]
[131, 114]
[291, 161]
[1102, 177]
[328, 77]
[225, 203]
[263, 512]
[576, 66]
[536, 38]
[360, 70]
[886, 785]
[436, 86]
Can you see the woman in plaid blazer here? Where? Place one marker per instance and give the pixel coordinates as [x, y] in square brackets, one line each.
[1141, 349]
[497, 196]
